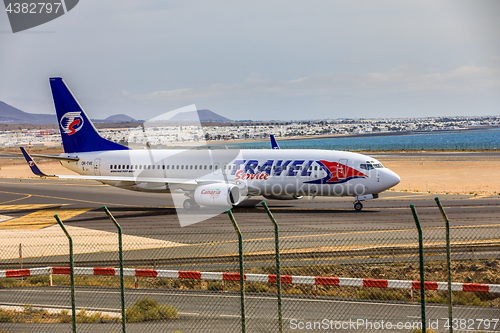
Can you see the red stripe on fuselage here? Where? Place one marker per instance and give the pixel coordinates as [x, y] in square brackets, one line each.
[337, 169]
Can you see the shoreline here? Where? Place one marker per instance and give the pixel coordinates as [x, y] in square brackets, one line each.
[335, 136]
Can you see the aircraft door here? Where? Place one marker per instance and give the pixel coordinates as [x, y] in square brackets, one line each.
[341, 170]
[97, 167]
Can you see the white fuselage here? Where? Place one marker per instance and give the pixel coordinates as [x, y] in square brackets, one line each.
[281, 172]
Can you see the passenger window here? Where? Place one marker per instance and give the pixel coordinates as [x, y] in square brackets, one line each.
[196, 167]
[191, 167]
[119, 166]
[182, 167]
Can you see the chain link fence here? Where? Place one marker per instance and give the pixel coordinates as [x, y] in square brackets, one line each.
[359, 280]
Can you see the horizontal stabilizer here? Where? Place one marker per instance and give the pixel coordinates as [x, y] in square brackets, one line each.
[51, 157]
[34, 168]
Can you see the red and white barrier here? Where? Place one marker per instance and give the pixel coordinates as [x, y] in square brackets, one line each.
[291, 279]
[17, 273]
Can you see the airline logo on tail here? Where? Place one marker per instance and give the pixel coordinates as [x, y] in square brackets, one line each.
[71, 122]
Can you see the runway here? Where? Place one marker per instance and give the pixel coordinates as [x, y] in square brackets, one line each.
[140, 212]
[152, 232]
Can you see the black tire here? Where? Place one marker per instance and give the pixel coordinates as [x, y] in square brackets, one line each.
[190, 204]
[358, 206]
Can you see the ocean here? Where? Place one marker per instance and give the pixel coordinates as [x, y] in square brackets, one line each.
[448, 140]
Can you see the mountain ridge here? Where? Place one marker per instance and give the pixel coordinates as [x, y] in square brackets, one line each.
[12, 115]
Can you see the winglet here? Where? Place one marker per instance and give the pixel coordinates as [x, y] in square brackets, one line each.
[32, 164]
[274, 144]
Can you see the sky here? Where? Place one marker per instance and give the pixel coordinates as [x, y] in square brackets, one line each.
[261, 60]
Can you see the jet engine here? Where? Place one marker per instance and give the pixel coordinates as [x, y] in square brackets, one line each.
[217, 194]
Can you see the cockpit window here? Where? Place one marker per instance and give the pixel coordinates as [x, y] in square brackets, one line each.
[370, 165]
[366, 166]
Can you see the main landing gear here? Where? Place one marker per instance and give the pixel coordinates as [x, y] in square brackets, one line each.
[358, 206]
[190, 204]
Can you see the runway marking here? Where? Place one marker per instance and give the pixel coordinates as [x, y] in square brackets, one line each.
[42, 218]
[5, 218]
[26, 197]
[60, 198]
[27, 206]
[286, 297]
[348, 233]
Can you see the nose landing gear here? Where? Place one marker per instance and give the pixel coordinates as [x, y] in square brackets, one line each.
[358, 206]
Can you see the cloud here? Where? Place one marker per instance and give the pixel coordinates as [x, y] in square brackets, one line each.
[407, 78]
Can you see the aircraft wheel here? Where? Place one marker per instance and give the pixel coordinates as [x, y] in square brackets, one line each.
[190, 204]
[358, 206]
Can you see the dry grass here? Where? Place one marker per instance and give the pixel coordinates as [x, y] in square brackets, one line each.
[33, 315]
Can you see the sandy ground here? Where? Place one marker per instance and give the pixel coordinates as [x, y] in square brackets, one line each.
[18, 168]
[460, 177]
[52, 241]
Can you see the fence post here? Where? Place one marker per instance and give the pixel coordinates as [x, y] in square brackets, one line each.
[120, 255]
[448, 260]
[422, 276]
[71, 271]
[278, 264]
[242, 271]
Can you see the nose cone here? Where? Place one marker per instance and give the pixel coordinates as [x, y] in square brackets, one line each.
[390, 178]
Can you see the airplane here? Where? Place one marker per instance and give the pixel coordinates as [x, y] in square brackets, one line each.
[210, 177]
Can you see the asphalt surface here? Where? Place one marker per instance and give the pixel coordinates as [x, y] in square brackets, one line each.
[324, 221]
[303, 223]
[220, 312]
[139, 212]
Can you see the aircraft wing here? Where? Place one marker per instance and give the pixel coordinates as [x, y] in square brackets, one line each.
[177, 181]
[139, 179]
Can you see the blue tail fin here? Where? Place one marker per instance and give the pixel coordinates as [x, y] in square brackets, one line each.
[274, 144]
[77, 131]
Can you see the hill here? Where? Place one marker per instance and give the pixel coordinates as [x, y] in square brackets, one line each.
[12, 115]
[202, 116]
[118, 118]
